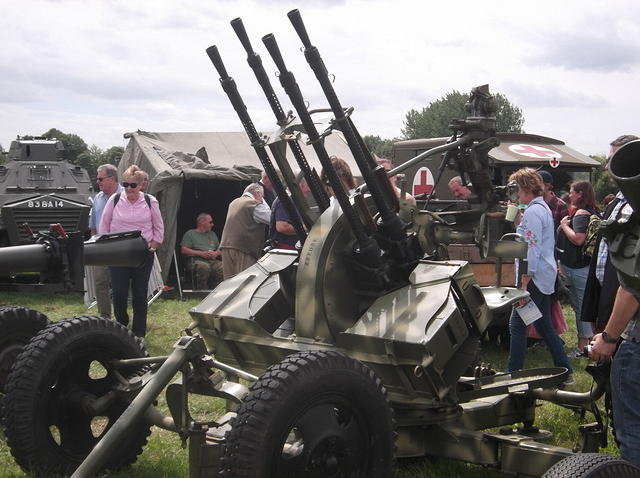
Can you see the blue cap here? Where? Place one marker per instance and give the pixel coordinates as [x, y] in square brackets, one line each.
[546, 176]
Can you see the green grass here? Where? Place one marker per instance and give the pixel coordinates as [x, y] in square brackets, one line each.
[164, 456]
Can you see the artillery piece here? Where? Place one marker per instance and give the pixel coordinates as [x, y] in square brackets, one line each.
[359, 347]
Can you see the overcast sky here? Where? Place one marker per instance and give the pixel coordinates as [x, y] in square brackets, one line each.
[101, 68]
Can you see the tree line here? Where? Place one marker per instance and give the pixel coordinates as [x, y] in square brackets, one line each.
[432, 121]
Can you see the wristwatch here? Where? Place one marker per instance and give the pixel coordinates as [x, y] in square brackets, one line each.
[608, 339]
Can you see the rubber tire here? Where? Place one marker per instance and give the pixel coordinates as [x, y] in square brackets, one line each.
[53, 362]
[18, 326]
[288, 393]
[592, 465]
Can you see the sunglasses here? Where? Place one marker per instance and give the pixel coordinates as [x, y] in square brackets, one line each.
[130, 185]
[102, 179]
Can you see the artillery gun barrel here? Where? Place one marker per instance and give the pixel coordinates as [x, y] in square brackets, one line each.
[624, 167]
[230, 88]
[255, 62]
[288, 82]
[119, 249]
[27, 258]
[382, 196]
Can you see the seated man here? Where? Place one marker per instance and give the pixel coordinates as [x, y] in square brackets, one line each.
[201, 247]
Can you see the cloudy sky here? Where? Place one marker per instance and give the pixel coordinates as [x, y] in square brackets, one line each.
[102, 68]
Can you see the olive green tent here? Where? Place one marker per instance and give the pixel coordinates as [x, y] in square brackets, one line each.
[202, 172]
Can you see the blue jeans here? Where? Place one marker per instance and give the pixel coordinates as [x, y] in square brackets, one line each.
[625, 396]
[577, 284]
[138, 278]
[544, 327]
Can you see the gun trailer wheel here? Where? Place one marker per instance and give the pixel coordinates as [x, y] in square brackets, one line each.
[18, 325]
[592, 465]
[49, 427]
[315, 414]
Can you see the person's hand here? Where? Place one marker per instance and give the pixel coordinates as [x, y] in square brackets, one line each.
[208, 254]
[601, 351]
[153, 246]
[524, 285]
[565, 221]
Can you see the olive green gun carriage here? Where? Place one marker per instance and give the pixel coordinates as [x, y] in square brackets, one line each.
[335, 359]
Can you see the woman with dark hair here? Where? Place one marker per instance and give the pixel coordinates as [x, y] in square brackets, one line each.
[344, 173]
[537, 228]
[574, 264]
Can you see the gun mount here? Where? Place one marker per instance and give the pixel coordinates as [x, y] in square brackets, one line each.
[359, 347]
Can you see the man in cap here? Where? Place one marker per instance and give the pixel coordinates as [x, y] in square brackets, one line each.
[558, 207]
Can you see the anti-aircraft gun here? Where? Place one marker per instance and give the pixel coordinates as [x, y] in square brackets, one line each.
[359, 347]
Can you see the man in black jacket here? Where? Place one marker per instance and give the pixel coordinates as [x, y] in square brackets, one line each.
[602, 283]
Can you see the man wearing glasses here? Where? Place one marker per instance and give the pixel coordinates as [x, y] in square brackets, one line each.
[107, 179]
[200, 246]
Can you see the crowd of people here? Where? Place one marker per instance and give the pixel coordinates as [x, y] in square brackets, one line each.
[606, 315]
[556, 231]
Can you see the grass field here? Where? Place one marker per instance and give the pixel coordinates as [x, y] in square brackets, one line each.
[165, 457]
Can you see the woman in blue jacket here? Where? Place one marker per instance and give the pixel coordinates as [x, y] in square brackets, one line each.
[538, 231]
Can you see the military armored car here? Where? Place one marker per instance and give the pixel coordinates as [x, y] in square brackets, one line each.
[38, 187]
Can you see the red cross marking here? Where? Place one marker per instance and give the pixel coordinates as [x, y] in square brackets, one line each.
[423, 185]
[554, 162]
[526, 148]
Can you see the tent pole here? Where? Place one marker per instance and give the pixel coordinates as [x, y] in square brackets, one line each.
[175, 264]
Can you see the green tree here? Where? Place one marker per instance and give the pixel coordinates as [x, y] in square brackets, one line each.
[90, 159]
[379, 146]
[433, 120]
[601, 181]
[112, 155]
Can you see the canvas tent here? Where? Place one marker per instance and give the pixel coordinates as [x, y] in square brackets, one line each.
[202, 172]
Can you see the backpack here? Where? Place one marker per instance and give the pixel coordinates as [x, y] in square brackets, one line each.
[116, 198]
[588, 248]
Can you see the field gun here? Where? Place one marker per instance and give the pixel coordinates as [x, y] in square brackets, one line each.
[338, 357]
[60, 257]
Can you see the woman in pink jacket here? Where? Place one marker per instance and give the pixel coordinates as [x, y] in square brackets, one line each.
[133, 211]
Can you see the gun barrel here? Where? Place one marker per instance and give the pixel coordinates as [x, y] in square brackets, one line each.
[366, 164]
[624, 167]
[126, 249]
[255, 62]
[288, 82]
[27, 258]
[230, 88]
